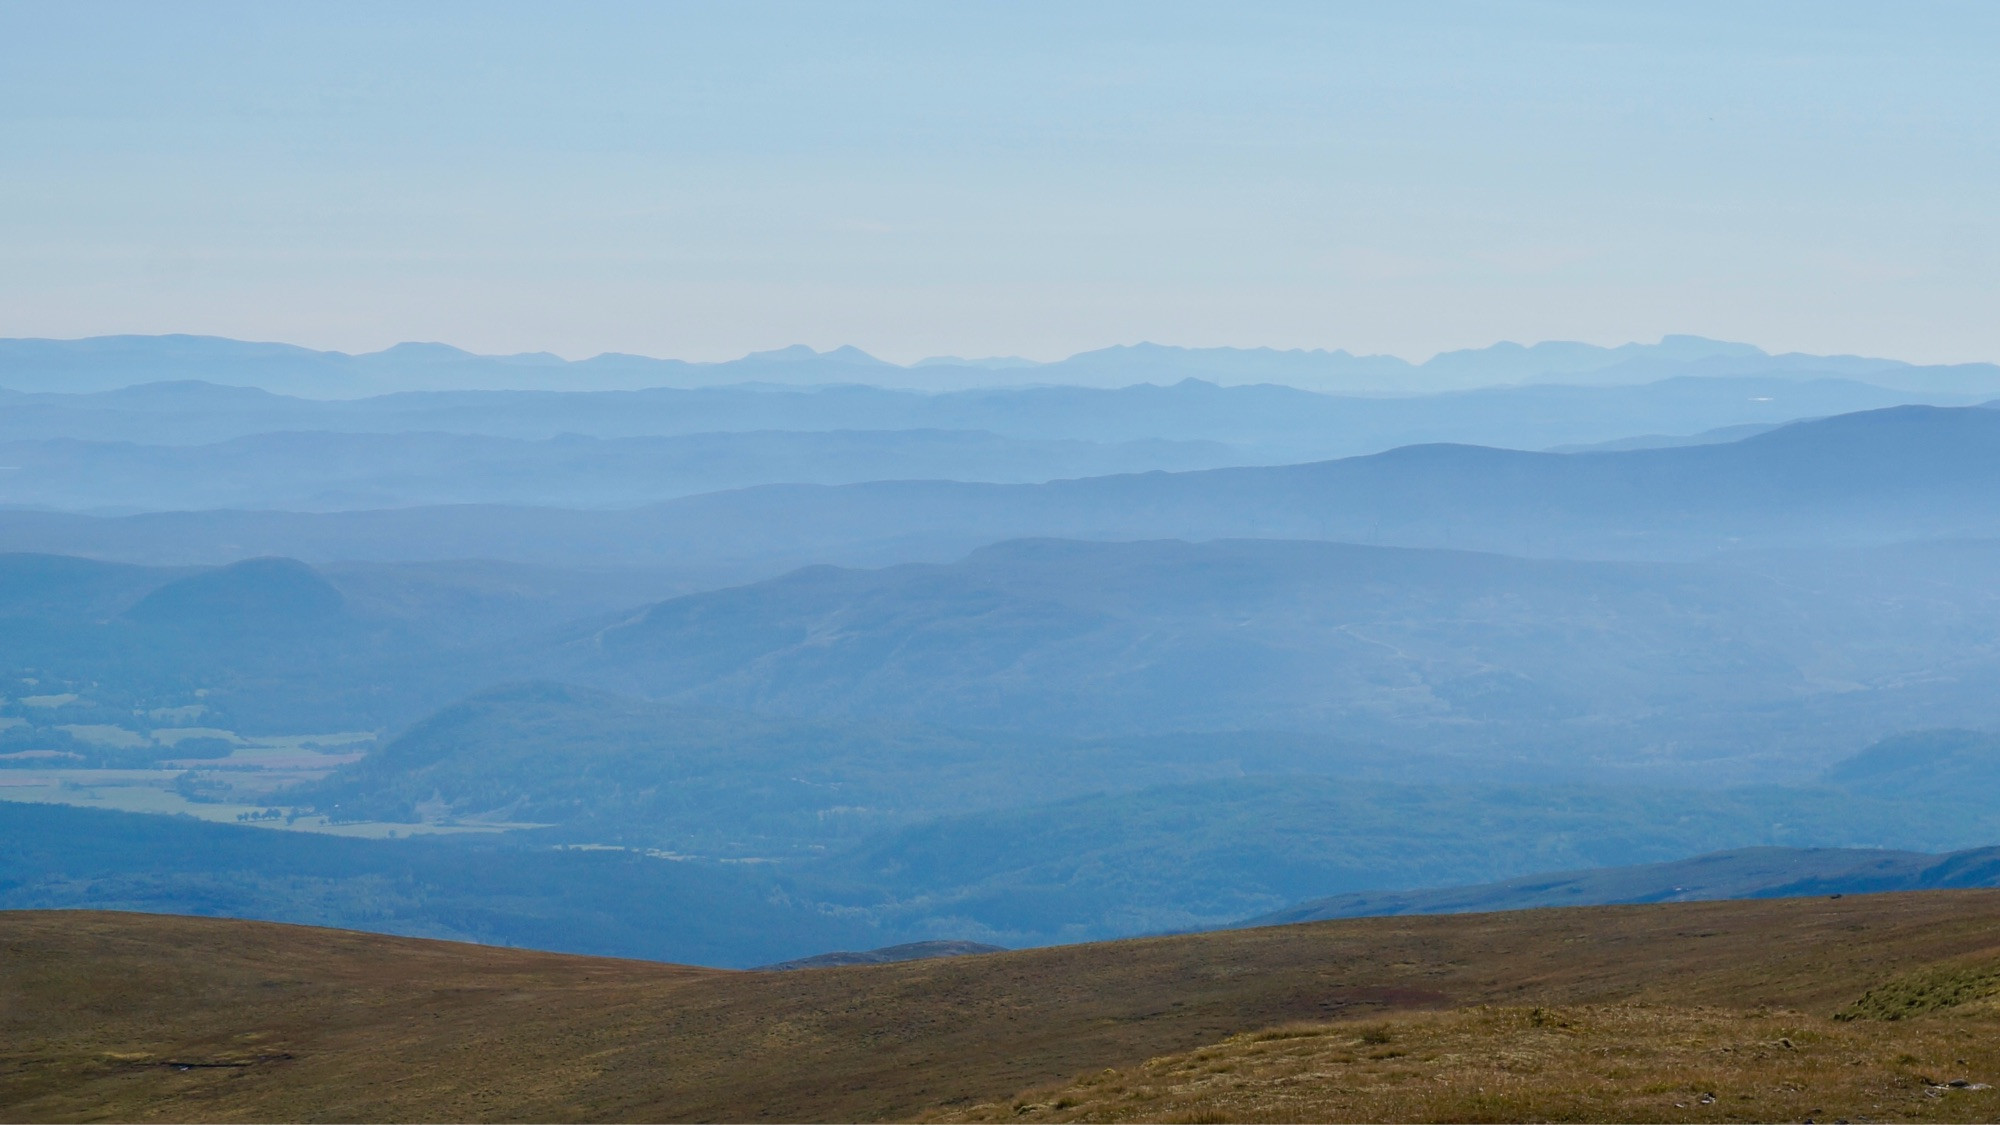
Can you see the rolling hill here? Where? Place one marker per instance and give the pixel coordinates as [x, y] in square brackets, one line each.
[1588, 660]
[610, 902]
[606, 769]
[1206, 854]
[272, 644]
[139, 1017]
[1930, 764]
[1747, 873]
[265, 644]
[1086, 798]
[1023, 840]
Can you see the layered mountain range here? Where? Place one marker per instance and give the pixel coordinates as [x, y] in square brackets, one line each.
[109, 362]
[1017, 664]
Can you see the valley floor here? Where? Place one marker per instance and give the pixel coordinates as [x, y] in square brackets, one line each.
[1696, 1011]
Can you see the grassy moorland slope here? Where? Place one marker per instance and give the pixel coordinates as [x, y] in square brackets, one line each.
[1611, 1062]
[137, 1017]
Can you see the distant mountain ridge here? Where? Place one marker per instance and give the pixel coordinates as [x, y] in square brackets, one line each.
[1259, 424]
[909, 951]
[1743, 873]
[319, 471]
[108, 362]
[1469, 649]
[1852, 480]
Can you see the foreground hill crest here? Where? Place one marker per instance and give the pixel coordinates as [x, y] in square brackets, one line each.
[213, 1019]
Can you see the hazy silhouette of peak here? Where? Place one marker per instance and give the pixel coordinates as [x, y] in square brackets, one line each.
[801, 353]
[260, 594]
[104, 363]
[186, 392]
[793, 354]
[428, 352]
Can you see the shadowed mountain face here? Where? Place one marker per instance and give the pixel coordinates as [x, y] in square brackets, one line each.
[268, 643]
[1878, 477]
[254, 596]
[1933, 763]
[606, 769]
[1207, 854]
[1025, 839]
[1240, 632]
[444, 600]
[62, 588]
[1748, 873]
[703, 782]
[1766, 668]
[1587, 662]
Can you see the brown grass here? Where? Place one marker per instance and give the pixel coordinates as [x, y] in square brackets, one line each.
[99, 1012]
[1626, 1062]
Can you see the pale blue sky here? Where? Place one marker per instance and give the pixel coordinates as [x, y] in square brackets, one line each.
[703, 180]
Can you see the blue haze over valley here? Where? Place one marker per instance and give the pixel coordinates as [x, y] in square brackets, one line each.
[728, 483]
[744, 661]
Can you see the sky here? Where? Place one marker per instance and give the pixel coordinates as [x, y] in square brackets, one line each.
[704, 180]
